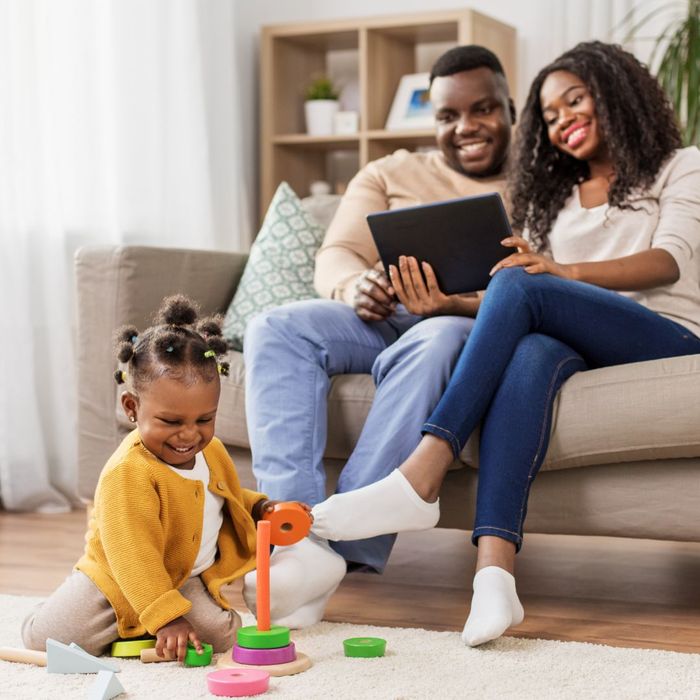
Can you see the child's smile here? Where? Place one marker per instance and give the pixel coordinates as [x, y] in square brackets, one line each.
[176, 417]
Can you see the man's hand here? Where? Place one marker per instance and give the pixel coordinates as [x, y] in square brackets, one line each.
[174, 636]
[374, 298]
[419, 296]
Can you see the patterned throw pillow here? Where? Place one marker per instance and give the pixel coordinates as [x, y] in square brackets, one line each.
[280, 267]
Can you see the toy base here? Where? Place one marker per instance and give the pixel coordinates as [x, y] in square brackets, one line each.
[300, 664]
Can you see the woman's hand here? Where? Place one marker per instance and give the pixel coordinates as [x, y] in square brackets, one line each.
[265, 506]
[533, 263]
[174, 636]
[374, 298]
[423, 297]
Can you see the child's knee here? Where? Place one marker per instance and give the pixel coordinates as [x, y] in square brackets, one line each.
[222, 636]
[30, 639]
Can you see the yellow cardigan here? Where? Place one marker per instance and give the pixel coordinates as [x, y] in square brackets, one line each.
[145, 533]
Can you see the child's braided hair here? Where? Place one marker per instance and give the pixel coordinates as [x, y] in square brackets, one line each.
[177, 345]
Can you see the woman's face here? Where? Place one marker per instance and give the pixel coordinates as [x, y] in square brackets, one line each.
[569, 112]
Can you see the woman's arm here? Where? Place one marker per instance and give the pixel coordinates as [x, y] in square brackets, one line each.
[645, 270]
[650, 268]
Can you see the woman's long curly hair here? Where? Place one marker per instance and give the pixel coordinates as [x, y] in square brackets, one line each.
[637, 126]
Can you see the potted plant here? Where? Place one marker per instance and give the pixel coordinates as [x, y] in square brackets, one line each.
[676, 61]
[320, 106]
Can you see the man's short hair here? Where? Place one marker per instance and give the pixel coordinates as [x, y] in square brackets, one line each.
[463, 58]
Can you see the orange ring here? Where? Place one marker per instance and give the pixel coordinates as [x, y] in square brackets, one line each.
[289, 523]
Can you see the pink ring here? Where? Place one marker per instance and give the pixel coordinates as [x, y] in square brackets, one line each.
[264, 657]
[237, 682]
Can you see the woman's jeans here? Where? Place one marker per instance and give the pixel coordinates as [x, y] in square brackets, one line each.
[531, 334]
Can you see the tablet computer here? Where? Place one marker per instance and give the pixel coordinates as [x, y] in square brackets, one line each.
[460, 238]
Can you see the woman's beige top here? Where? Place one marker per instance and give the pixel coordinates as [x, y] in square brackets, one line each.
[402, 179]
[667, 216]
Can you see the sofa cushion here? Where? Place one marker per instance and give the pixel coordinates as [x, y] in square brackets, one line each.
[640, 411]
[280, 266]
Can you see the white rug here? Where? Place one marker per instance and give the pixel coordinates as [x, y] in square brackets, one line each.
[419, 665]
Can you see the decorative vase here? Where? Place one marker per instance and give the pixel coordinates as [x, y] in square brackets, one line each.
[319, 116]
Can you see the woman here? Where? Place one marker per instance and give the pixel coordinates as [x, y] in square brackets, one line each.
[608, 275]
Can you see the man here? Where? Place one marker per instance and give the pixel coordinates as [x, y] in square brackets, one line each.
[292, 351]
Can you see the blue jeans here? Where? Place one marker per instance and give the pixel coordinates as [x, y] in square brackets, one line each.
[291, 353]
[532, 333]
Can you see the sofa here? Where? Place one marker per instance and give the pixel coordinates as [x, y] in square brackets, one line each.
[624, 458]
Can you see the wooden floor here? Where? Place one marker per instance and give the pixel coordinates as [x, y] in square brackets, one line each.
[608, 591]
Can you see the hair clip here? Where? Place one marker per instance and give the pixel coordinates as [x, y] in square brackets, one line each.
[134, 339]
[169, 348]
[219, 368]
[209, 353]
[120, 376]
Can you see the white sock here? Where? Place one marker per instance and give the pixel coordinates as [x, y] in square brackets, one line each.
[307, 615]
[495, 606]
[389, 505]
[303, 575]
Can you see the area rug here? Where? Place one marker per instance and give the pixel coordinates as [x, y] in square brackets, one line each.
[418, 665]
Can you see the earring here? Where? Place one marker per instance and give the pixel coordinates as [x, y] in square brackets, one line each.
[132, 419]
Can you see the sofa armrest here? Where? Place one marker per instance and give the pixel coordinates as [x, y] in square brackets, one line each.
[125, 284]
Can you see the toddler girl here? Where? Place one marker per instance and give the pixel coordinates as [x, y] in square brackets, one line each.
[171, 524]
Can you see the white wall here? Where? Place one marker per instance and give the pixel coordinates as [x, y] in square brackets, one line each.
[545, 29]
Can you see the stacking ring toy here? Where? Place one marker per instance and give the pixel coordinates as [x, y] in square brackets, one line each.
[264, 657]
[290, 523]
[192, 658]
[237, 682]
[253, 638]
[364, 647]
[132, 647]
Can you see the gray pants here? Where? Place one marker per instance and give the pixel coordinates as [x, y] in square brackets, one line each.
[78, 612]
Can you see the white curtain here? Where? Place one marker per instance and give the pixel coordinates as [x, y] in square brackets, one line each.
[119, 123]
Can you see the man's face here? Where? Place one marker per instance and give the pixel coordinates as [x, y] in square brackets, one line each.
[473, 117]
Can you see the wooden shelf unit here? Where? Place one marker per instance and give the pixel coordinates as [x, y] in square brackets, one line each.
[381, 51]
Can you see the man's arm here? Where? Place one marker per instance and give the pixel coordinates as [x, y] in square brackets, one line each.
[348, 250]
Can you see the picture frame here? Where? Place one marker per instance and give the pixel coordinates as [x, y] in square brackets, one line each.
[411, 108]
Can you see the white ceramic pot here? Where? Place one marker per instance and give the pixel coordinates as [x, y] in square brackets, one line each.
[319, 116]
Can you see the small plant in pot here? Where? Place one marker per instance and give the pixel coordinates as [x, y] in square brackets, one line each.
[320, 106]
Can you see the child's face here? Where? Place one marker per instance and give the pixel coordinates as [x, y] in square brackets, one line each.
[175, 419]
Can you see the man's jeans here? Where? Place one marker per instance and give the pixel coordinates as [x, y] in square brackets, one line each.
[532, 333]
[291, 353]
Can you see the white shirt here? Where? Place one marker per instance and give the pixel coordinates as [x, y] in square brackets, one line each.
[668, 217]
[213, 515]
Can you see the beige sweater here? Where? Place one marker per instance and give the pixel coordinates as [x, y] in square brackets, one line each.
[402, 179]
[667, 216]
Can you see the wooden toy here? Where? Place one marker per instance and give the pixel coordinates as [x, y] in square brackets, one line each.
[301, 663]
[131, 647]
[364, 647]
[192, 658]
[253, 638]
[62, 658]
[290, 523]
[235, 683]
[264, 657]
[106, 686]
[149, 656]
[262, 558]
[23, 656]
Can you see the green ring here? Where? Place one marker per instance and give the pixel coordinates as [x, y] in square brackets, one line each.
[131, 647]
[253, 638]
[192, 658]
[364, 647]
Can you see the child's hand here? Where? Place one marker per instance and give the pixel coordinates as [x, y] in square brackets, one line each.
[174, 636]
[265, 506]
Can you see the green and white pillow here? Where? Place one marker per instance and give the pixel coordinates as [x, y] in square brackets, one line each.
[280, 268]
